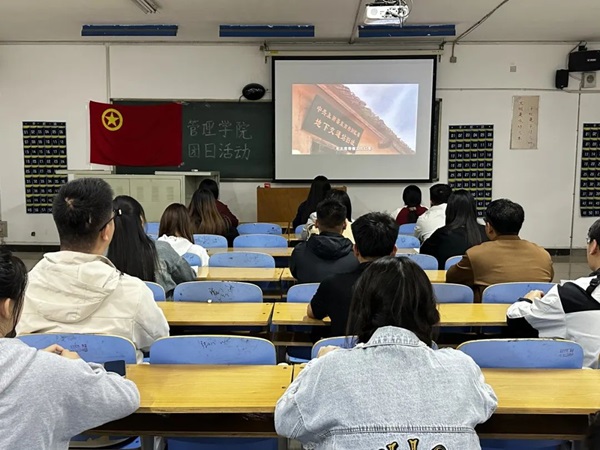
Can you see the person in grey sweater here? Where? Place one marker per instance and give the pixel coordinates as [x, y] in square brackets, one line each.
[48, 396]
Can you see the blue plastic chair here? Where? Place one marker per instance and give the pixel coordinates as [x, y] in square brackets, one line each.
[299, 229]
[259, 228]
[300, 293]
[230, 350]
[340, 341]
[452, 261]
[260, 240]
[242, 259]
[407, 228]
[453, 293]
[91, 348]
[425, 262]
[157, 290]
[151, 227]
[192, 259]
[511, 292]
[405, 241]
[210, 240]
[218, 292]
[523, 354]
[152, 236]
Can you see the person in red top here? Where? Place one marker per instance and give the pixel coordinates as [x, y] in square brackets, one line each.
[413, 209]
[212, 186]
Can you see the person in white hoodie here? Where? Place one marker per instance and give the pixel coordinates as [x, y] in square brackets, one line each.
[78, 290]
[49, 396]
[175, 228]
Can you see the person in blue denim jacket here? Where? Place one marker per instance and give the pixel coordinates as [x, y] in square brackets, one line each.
[392, 391]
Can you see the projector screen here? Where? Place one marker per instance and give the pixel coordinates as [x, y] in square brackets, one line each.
[354, 119]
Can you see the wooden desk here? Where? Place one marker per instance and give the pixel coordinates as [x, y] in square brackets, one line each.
[452, 314]
[196, 314]
[190, 400]
[240, 400]
[282, 252]
[435, 276]
[238, 274]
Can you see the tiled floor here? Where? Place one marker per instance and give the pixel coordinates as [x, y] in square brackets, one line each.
[565, 267]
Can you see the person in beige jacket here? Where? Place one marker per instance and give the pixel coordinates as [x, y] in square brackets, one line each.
[78, 290]
[506, 257]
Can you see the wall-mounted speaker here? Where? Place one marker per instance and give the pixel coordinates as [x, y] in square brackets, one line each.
[562, 79]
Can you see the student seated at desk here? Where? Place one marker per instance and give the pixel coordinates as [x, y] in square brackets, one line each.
[206, 218]
[461, 231]
[326, 253]
[392, 390]
[506, 257]
[435, 217]
[212, 186]
[311, 226]
[568, 311]
[134, 253]
[175, 228]
[412, 210]
[49, 396]
[78, 290]
[318, 190]
[375, 235]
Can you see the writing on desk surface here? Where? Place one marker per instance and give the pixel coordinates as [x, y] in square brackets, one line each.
[221, 140]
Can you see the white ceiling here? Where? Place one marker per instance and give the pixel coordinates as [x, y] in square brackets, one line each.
[198, 20]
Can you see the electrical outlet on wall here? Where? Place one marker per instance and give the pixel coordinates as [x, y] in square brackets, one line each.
[3, 229]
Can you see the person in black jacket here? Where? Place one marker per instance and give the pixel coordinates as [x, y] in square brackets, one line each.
[318, 190]
[461, 231]
[326, 253]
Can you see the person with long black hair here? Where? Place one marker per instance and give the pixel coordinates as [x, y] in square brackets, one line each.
[136, 254]
[206, 218]
[393, 388]
[36, 413]
[461, 231]
[318, 190]
[412, 210]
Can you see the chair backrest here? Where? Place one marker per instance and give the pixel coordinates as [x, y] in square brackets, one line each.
[302, 293]
[299, 229]
[511, 292]
[405, 241]
[95, 348]
[228, 350]
[339, 341]
[218, 292]
[260, 240]
[157, 290]
[452, 261]
[259, 228]
[524, 353]
[192, 259]
[407, 228]
[425, 262]
[242, 259]
[151, 227]
[452, 293]
[210, 240]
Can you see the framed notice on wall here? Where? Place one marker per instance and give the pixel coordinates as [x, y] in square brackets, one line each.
[589, 189]
[524, 126]
[470, 161]
[45, 152]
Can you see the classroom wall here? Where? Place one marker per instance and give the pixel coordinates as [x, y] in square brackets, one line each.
[477, 89]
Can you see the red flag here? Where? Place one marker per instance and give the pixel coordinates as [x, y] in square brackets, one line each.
[148, 135]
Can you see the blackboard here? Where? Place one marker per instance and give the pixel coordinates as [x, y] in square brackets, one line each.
[234, 138]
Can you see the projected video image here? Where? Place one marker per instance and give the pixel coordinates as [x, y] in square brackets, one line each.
[354, 119]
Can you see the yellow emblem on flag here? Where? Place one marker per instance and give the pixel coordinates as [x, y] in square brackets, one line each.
[112, 119]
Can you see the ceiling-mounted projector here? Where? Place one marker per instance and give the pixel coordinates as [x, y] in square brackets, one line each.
[387, 11]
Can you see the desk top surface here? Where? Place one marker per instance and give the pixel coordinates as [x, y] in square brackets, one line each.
[209, 389]
[216, 314]
[435, 276]
[238, 274]
[452, 314]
